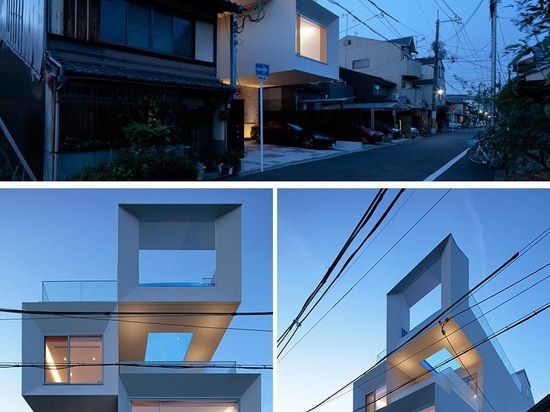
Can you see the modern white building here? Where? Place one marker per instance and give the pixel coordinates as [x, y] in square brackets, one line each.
[138, 344]
[442, 364]
[297, 39]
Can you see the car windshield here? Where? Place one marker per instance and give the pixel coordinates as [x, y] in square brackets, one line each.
[295, 127]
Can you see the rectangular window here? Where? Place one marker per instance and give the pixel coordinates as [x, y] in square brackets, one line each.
[360, 64]
[311, 39]
[73, 359]
[185, 406]
[183, 37]
[376, 399]
[80, 18]
[113, 21]
[140, 26]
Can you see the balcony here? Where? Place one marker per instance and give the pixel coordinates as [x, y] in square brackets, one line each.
[449, 381]
[178, 368]
[79, 291]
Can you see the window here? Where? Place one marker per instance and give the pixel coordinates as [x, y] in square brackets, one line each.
[72, 359]
[79, 19]
[376, 399]
[137, 25]
[311, 39]
[185, 406]
[360, 64]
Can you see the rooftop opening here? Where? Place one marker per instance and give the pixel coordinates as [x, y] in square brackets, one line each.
[167, 346]
[434, 363]
[425, 307]
[177, 267]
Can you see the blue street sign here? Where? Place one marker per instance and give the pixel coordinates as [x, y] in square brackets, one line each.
[262, 71]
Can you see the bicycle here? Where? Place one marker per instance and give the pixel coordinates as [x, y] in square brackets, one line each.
[481, 152]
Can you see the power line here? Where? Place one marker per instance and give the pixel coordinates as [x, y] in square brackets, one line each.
[58, 366]
[360, 226]
[118, 313]
[372, 267]
[113, 319]
[507, 328]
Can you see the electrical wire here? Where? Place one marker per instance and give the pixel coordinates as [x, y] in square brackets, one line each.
[119, 313]
[58, 366]
[371, 268]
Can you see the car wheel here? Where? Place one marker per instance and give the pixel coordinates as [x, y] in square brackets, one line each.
[308, 142]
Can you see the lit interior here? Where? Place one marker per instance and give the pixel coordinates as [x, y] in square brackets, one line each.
[167, 346]
[184, 406]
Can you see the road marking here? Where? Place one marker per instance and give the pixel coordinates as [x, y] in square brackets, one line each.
[438, 173]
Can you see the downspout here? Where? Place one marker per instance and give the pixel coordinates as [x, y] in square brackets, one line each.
[60, 74]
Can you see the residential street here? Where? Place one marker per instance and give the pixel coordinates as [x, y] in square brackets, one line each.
[407, 160]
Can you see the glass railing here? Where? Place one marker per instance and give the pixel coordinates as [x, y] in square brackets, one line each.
[79, 291]
[178, 367]
[381, 355]
[489, 332]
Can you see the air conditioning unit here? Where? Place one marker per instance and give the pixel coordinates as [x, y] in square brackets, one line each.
[395, 96]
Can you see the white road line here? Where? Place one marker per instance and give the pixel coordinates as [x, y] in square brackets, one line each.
[438, 173]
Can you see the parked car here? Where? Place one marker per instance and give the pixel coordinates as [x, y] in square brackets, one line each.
[455, 125]
[387, 129]
[291, 134]
[369, 135]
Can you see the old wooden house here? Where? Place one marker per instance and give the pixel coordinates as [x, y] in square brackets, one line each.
[76, 72]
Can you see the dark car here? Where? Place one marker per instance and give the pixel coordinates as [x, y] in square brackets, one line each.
[291, 134]
[369, 135]
[387, 129]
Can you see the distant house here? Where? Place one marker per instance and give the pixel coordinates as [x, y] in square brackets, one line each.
[297, 39]
[75, 72]
[439, 364]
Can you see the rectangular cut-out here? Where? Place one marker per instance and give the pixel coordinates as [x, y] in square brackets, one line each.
[425, 307]
[167, 346]
[177, 267]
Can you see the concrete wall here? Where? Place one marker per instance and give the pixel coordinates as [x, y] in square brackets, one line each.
[180, 227]
[36, 327]
[265, 42]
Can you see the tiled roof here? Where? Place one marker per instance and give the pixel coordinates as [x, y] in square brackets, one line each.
[94, 69]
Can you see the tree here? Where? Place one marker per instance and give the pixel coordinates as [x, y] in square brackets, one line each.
[524, 106]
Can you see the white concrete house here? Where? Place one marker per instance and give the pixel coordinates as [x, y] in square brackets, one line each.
[135, 354]
[418, 374]
[298, 39]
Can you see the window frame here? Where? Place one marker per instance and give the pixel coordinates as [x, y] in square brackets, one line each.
[323, 43]
[198, 25]
[68, 363]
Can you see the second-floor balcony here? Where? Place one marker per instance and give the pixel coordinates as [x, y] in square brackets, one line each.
[79, 291]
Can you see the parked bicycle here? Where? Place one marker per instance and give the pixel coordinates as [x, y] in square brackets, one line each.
[481, 152]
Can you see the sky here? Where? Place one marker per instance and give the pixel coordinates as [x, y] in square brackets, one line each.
[467, 43]
[71, 234]
[334, 346]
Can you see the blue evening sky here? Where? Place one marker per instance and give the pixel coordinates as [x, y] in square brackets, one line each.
[489, 225]
[467, 43]
[71, 234]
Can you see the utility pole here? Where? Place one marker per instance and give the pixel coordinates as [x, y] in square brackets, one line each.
[493, 12]
[436, 69]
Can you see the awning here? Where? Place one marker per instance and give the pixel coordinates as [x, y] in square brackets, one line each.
[83, 67]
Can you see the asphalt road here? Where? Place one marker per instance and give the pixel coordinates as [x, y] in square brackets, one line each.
[410, 160]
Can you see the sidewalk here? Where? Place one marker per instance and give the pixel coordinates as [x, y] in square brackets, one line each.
[277, 156]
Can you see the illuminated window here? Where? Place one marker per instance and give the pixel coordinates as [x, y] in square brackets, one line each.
[376, 399]
[311, 39]
[184, 406]
[73, 359]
